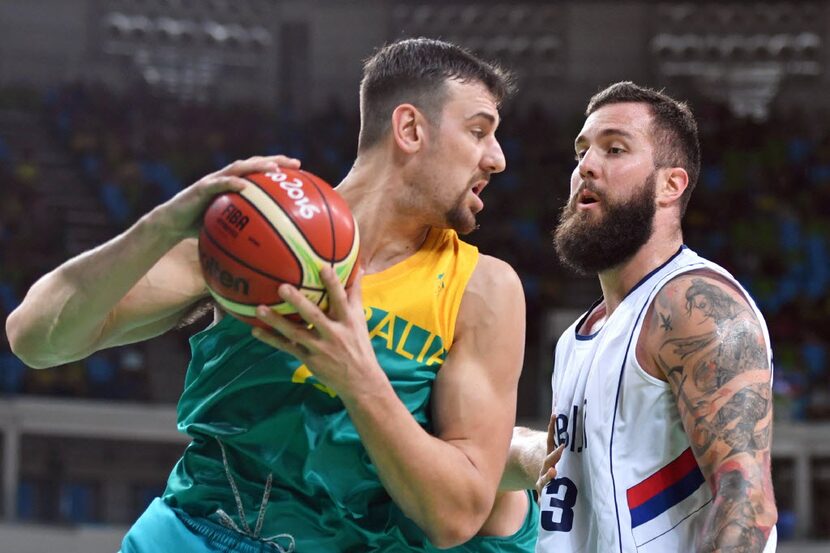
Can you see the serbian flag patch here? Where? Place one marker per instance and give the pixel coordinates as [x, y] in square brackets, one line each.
[665, 498]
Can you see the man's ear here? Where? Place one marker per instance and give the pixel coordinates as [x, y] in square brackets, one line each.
[408, 128]
[672, 186]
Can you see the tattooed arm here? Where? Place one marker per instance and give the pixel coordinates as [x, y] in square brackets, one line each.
[702, 337]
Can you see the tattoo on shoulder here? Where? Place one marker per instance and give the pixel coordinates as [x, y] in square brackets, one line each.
[665, 322]
[690, 345]
[736, 343]
[713, 302]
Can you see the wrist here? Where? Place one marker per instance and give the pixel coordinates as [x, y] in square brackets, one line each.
[163, 226]
[370, 388]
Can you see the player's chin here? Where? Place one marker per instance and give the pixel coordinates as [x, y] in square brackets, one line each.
[465, 227]
[462, 219]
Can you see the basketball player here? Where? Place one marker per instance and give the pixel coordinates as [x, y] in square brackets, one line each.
[386, 427]
[662, 389]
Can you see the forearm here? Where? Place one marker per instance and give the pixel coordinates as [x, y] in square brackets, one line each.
[432, 481]
[65, 313]
[524, 460]
[743, 510]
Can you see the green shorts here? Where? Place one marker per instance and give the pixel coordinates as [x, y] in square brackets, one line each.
[164, 529]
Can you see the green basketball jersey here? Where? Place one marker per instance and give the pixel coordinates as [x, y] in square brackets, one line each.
[262, 424]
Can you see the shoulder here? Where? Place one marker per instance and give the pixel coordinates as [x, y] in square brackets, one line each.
[493, 293]
[489, 332]
[700, 297]
[695, 312]
[492, 274]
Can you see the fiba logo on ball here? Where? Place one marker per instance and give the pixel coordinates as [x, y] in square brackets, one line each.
[282, 228]
[233, 219]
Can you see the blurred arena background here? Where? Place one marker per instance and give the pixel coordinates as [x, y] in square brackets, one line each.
[108, 107]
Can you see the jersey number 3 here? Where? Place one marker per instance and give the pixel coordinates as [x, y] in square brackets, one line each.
[558, 516]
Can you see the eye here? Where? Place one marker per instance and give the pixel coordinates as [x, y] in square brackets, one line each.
[579, 155]
[615, 150]
[479, 133]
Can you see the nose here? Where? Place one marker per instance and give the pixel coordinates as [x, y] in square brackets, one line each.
[493, 160]
[588, 166]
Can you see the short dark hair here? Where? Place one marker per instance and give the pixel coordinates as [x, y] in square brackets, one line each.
[416, 71]
[673, 128]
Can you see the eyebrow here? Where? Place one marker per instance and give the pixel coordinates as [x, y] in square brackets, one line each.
[604, 133]
[489, 116]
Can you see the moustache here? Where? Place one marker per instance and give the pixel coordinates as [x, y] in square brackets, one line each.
[588, 185]
[583, 186]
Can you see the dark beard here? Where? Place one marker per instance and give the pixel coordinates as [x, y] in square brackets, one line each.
[460, 218]
[592, 247]
[461, 222]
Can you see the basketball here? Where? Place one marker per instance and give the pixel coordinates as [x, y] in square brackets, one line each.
[282, 228]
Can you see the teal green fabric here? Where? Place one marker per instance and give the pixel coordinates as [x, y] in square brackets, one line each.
[162, 529]
[273, 419]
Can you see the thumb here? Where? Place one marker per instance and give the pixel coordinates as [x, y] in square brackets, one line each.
[551, 434]
[354, 292]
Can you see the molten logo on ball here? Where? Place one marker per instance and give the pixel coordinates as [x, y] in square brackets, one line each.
[213, 271]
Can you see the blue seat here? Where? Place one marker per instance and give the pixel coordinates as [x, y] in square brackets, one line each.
[26, 500]
[115, 202]
[77, 503]
[8, 298]
[12, 371]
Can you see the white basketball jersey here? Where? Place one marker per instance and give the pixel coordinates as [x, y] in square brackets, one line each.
[627, 480]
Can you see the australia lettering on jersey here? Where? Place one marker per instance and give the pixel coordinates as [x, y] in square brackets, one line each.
[403, 337]
[393, 333]
[570, 428]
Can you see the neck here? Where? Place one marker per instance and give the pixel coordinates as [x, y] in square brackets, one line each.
[618, 281]
[389, 233]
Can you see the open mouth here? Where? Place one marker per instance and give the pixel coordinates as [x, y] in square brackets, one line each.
[478, 187]
[586, 197]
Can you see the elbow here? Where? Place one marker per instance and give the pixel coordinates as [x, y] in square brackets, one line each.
[23, 344]
[768, 518]
[451, 534]
[16, 336]
[452, 527]
[763, 506]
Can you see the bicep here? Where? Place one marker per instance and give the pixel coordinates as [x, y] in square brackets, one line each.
[474, 398]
